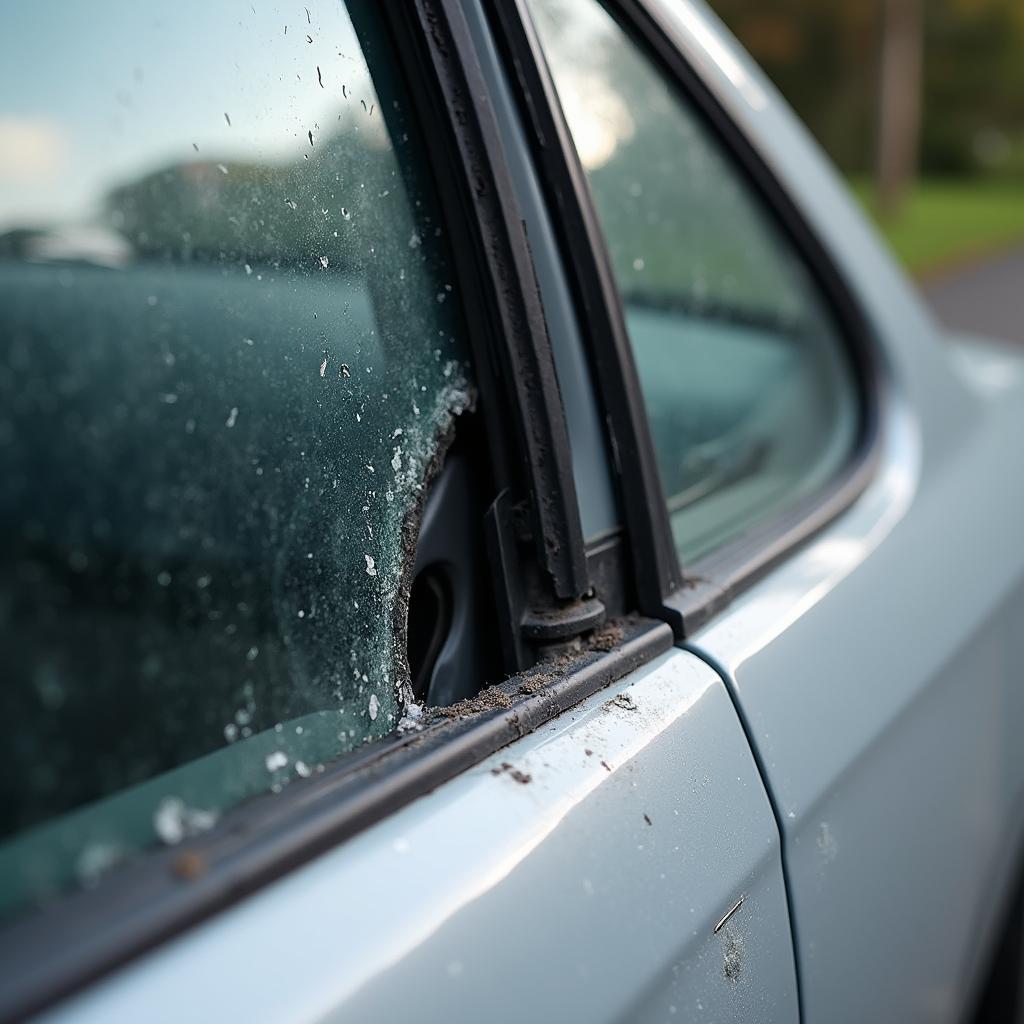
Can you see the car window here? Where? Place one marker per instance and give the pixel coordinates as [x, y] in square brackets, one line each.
[229, 351]
[751, 401]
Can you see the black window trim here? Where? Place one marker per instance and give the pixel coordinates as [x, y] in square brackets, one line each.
[52, 952]
[684, 596]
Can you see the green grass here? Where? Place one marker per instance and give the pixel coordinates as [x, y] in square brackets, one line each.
[943, 223]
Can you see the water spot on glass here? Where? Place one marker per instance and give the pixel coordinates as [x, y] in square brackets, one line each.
[371, 568]
[301, 613]
[248, 341]
[151, 300]
[638, 263]
[302, 769]
[173, 820]
[222, 168]
[346, 213]
[203, 582]
[374, 706]
[190, 426]
[163, 578]
[95, 861]
[231, 732]
[324, 261]
[278, 759]
[248, 270]
[232, 417]
[414, 241]
[323, 366]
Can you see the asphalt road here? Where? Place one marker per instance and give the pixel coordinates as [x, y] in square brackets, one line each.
[985, 298]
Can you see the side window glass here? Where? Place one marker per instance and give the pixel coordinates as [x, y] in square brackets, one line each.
[751, 402]
[228, 351]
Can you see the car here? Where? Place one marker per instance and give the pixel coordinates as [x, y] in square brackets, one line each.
[488, 533]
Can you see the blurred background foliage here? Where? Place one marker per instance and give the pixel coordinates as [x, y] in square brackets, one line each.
[919, 102]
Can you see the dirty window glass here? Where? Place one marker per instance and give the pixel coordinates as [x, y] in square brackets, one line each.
[228, 353]
[750, 400]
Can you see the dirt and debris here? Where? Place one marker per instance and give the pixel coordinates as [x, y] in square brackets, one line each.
[588, 752]
[549, 671]
[536, 682]
[491, 699]
[606, 766]
[647, 818]
[732, 956]
[607, 638]
[512, 772]
[623, 701]
[188, 865]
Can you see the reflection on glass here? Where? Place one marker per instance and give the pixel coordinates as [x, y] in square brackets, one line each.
[744, 379]
[227, 350]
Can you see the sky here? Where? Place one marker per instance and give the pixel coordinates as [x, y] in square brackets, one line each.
[94, 95]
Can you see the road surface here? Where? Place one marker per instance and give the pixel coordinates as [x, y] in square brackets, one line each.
[984, 298]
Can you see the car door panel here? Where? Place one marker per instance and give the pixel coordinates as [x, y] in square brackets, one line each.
[578, 874]
[875, 667]
[878, 672]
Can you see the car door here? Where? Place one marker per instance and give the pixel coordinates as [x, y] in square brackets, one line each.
[842, 501]
[272, 306]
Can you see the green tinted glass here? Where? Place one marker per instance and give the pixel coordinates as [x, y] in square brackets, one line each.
[228, 350]
[751, 402]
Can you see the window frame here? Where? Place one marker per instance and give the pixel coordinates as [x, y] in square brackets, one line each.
[684, 596]
[53, 951]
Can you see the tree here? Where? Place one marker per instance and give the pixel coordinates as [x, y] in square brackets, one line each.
[899, 101]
